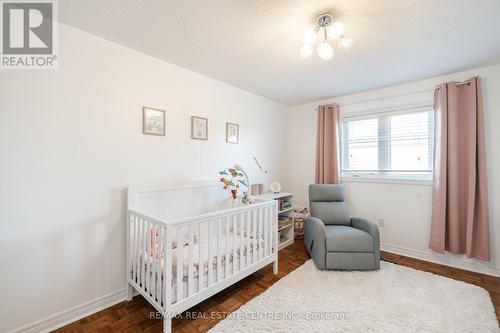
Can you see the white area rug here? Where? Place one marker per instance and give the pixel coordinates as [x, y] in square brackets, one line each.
[394, 299]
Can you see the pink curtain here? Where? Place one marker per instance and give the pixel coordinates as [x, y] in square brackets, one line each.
[460, 198]
[327, 145]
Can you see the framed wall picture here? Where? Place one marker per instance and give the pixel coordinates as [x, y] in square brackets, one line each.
[153, 121]
[232, 133]
[199, 128]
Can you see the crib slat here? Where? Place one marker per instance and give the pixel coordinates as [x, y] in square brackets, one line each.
[254, 226]
[144, 241]
[227, 234]
[265, 222]
[134, 263]
[130, 246]
[234, 219]
[271, 231]
[265, 230]
[265, 226]
[261, 226]
[155, 260]
[219, 250]
[249, 235]
[141, 252]
[137, 249]
[201, 261]
[149, 267]
[190, 260]
[150, 257]
[261, 233]
[180, 262]
[242, 232]
[147, 277]
[146, 258]
[147, 240]
[161, 272]
[167, 268]
[268, 226]
[210, 226]
[158, 257]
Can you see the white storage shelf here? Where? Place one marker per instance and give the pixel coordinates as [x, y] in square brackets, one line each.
[287, 232]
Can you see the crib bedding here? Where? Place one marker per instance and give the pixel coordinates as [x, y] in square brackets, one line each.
[196, 283]
[204, 280]
[247, 243]
[234, 249]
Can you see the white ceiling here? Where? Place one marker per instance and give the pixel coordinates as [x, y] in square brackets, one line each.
[253, 44]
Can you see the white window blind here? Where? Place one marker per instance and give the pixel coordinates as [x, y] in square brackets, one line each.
[395, 144]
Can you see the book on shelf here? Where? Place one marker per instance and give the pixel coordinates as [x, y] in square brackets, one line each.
[284, 204]
[282, 224]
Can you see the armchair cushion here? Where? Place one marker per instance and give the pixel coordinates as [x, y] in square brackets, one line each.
[341, 238]
[331, 213]
[327, 202]
[327, 193]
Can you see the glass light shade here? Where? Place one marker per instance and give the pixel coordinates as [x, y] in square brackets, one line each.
[336, 30]
[309, 36]
[345, 43]
[325, 51]
[306, 51]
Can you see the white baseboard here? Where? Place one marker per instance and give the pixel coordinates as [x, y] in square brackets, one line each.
[78, 312]
[444, 259]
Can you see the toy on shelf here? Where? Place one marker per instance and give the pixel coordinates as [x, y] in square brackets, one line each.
[300, 214]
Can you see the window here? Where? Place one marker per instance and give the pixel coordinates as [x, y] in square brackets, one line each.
[389, 145]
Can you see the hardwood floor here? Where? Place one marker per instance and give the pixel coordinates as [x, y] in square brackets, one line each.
[139, 316]
[135, 316]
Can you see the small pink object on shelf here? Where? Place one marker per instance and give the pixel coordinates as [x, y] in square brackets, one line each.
[256, 189]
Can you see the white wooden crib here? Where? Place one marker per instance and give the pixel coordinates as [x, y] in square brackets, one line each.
[196, 234]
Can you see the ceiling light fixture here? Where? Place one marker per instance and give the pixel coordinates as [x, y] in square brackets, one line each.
[331, 29]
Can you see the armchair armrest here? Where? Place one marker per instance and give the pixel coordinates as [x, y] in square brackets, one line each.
[365, 225]
[371, 228]
[315, 240]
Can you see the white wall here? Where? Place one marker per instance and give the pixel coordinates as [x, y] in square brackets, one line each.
[405, 207]
[71, 141]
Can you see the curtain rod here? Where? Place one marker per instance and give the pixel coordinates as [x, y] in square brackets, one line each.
[385, 111]
[387, 97]
[399, 95]
[465, 83]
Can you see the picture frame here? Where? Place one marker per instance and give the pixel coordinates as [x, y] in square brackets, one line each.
[153, 121]
[232, 133]
[199, 128]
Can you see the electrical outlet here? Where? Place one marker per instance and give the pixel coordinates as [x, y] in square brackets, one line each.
[381, 222]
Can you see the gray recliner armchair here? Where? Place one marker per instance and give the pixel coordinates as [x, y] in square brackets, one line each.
[333, 239]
